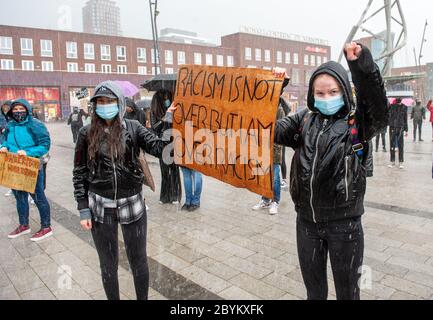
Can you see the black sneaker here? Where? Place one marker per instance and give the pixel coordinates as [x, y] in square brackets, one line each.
[194, 207]
[185, 207]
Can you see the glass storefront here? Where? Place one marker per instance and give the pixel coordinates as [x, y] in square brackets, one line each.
[45, 100]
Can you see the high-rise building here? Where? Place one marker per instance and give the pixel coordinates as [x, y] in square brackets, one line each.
[102, 17]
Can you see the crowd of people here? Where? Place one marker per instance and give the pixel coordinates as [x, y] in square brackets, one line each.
[332, 140]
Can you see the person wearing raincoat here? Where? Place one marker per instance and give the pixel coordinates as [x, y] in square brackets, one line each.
[108, 184]
[328, 175]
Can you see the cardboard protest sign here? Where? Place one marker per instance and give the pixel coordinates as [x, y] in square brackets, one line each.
[19, 172]
[225, 122]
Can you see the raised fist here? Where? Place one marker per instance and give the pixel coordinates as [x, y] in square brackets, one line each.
[352, 51]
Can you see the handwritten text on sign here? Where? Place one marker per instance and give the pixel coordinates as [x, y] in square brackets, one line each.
[18, 172]
[225, 122]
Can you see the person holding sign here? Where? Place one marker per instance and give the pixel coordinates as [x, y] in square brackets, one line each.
[108, 183]
[29, 137]
[328, 178]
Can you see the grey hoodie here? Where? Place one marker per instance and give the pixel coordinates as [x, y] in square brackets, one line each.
[112, 86]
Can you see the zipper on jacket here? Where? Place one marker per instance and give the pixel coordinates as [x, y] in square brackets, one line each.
[325, 122]
[346, 178]
[115, 179]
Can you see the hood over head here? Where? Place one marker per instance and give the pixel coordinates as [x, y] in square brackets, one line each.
[338, 72]
[110, 89]
[25, 104]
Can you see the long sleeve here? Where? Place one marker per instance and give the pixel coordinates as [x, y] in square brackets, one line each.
[81, 171]
[287, 130]
[42, 143]
[151, 143]
[372, 102]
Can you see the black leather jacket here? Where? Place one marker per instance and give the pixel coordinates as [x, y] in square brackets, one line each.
[110, 179]
[328, 180]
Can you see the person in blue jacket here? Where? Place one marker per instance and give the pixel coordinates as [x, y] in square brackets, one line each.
[27, 136]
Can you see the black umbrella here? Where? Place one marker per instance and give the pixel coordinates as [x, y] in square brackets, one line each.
[161, 82]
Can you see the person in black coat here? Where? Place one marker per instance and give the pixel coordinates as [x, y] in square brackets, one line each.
[328, 175]
[133, 112]
[398, 124]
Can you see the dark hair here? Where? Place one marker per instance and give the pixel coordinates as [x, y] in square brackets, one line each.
[157, 105]
[98, 134]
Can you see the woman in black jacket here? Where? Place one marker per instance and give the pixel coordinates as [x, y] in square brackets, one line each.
[108, 182]
[328, 174]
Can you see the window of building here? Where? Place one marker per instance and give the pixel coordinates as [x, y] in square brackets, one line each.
[169, 70]
[181, 58]
[197, 58]
[154, 56]
[156, 70]
[209, 59]
[279, 57]
[7, 64]
[220, 60]
[230, 61]
[142, 70]
[308, 74]
[106, 68]
[325, 59]
[168, 57]
[141, 55]
[89, 67]
[295, 76]
[248, 53]
[319, 60]
[6, 45]
[89, 51]
[296, 58]
[121, 53]
[306, 60]
[122, 69]
[26, 47]
[46, 48]
[287, 58]
[71, 50]
[72, 67]
[28, 65]
[258, 54]
[105, 52]
[313, 60]
[47, 66]
[267, 55]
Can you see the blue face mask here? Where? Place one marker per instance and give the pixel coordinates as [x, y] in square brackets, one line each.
[107, 111]
[167, 103]
[329, 107]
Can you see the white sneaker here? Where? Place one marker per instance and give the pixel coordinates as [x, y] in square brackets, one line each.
[273, 210]
[9, 193]
[262, 205]
[175, 202]
[401, 166]
[391, 166]
[284, 186]
[31, 201]
[147, 208]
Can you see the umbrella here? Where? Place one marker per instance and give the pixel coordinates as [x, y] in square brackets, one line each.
[161, 82]
[144, 103]
[128, 89]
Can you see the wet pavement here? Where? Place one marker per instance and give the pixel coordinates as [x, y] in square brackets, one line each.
[224, 250]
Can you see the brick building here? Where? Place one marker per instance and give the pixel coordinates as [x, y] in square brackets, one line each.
[48, 67]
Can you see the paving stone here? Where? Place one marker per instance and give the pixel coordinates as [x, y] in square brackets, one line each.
[25, 280]
[73, 293]
[286, 284]
[216, 268]
[9, 293]
[205, 279]
[42, 293]
[171, 261]
[407, 286]
[247, 267]
[234, 249]
[257, 287]
[236, 293]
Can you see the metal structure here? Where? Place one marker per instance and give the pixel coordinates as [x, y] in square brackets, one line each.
[393, 12]
[153, 5]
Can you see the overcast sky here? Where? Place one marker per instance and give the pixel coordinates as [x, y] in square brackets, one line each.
[327, 19]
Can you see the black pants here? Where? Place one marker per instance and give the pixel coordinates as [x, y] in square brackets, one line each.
[105, 236]
[344, 240]
[75, 131]
[170, 183]
[378, 137]
[396, 137]
[284, 165]
[417, 126]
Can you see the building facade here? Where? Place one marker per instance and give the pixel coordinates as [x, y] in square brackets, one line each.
[48, 67]
[102, 17]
